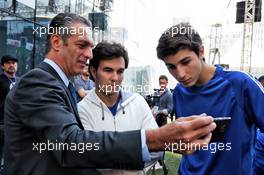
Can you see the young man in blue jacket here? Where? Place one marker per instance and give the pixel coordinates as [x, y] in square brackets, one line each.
[217, 92]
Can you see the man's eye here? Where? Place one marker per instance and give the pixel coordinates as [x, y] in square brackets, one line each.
[171, 67]
[81, 46]
[121, 72]
[107, 70]
[185, 62]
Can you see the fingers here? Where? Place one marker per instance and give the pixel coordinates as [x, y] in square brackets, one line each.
[184, 130]
[182, 119]
[195, 122]
[198, 144]
[200, 132]
[204, 141]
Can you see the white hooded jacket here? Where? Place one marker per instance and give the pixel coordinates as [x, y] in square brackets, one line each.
[133, 113]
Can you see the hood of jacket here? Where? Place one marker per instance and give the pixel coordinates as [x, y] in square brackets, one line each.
[126, 98]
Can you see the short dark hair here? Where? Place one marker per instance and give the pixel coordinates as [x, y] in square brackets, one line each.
[108, 51]
[61, 21]
[176, 38]
[261, 78]
[163, 77]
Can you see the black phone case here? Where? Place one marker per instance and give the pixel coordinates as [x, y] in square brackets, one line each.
[221, 127]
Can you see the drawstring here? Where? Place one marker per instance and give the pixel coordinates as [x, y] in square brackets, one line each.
[121, 100]
[102, 108]
[123, 108]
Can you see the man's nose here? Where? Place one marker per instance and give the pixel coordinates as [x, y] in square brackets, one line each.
[181, 73]
[114, 76]
[88, 53]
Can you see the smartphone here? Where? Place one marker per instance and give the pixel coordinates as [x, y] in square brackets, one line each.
[221, 127]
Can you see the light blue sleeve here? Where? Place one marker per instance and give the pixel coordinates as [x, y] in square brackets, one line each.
[145, 150]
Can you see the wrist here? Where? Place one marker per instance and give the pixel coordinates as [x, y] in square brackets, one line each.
[153, 140]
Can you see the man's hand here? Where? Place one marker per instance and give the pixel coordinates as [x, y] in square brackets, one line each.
[193, 132]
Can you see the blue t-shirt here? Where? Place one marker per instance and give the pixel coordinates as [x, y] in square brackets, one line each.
[113, 109]
[232, 94]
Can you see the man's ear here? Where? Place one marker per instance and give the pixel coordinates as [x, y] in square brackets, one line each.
[93, 73]
[201, 52]
[56, 42]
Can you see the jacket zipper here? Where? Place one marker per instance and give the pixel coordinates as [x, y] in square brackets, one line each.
[115, 122]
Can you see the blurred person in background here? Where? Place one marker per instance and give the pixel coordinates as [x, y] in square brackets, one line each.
[7, 80]
[163, 104]
[83, 83]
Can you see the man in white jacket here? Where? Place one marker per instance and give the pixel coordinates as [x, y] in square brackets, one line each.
[107, 107]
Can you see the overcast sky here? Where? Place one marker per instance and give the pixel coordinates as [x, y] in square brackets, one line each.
[147, 19]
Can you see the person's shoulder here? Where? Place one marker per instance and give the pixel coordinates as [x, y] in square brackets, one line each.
[91, 95]
[2, 77]
[84, 102]
[37, 78]
[90, 99]
[78, 78]
[169, 92]
[137, 96]
[131, 97]
[36, 72]
[237, 76]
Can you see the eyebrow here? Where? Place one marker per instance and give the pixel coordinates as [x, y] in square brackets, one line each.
[84, 42]
[185, 58]
[182, 60]
[112, 68]
[107, 68]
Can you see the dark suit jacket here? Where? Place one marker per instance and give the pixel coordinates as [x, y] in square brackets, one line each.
[38, 110]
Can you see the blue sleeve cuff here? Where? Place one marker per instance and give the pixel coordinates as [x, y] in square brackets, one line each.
[145, 151]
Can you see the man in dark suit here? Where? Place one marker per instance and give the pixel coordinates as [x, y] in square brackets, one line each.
[44, 134]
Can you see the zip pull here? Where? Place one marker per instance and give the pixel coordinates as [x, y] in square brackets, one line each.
[102, 108]
[124, 112]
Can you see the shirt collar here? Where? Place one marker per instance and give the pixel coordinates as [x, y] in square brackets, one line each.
[58, 70]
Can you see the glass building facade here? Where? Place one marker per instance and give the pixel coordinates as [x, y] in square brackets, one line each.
[21, 19]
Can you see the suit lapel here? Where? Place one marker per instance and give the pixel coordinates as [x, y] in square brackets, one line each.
[73, 105]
